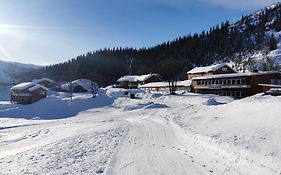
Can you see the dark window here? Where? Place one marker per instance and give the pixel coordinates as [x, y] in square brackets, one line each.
[220, 81]
[228, 81]
[224, 81]
[238, 81]
[243, 81]
[233, 81]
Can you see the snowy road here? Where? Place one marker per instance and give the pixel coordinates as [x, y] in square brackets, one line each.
[153, 147]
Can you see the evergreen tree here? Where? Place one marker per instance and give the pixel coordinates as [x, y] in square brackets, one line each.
[272, 43]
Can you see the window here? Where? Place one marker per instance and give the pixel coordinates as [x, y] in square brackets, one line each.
[224, 69]
[238, 81]
[243, 81]
[275, 81]
[228, 81]
[220, 81]
[233, 82]
[224, 82]
[198, 82]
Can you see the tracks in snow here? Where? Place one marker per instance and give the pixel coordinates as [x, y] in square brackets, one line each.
[152, 146]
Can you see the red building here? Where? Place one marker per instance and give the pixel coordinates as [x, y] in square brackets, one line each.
[215, 69]
[237, 85]
[133, 81]
[26, 93]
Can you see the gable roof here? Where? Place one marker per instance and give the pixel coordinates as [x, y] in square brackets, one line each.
[147, 76]
[206, 69]
[30, 86]
[129, 78]
[43, 79]
[136, 78]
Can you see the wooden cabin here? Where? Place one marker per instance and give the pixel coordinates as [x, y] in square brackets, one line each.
[48, 83]
[237, 85]
[26, 93]
[128, 82]
[149, 78]
[133, 81]
[215, 69]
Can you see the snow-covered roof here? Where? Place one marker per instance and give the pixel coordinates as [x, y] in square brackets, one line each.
[206, 69]
[184, 83]
[234, 75]
[147, 76]
[43, 79]
[85, 83]
[135, 78]
[165, 84]
[155, 84]
[23, 86]
[31, 86]
[129, 78]
[271, 85]
[37, 86]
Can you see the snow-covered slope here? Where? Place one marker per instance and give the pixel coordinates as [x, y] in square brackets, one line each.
[153, 134]
[9, 71]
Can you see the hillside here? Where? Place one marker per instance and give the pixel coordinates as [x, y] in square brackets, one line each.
[10, 72]
[251, 43]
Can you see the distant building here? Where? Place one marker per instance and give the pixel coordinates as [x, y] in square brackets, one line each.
[45, 82]
[237, 85]
[128, 82]
[80, 85]
[164, 86]
[133, 81]
[149, 78]
[222, 68]
[26, 93]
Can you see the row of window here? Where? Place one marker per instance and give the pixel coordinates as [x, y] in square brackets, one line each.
[234, 94]
[239, 81]
[275, 81]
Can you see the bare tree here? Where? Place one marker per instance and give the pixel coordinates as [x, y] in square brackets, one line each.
[170, 70]
[94, 88]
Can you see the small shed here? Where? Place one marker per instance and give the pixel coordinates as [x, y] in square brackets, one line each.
[26, 93]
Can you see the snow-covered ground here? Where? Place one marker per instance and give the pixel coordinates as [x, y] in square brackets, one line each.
[152, 134]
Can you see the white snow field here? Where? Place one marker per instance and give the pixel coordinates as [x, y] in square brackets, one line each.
[154, 134]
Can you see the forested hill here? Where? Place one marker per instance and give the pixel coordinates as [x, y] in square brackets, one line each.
[255, 32]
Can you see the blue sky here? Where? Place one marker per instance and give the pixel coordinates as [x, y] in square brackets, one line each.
[51, 31]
